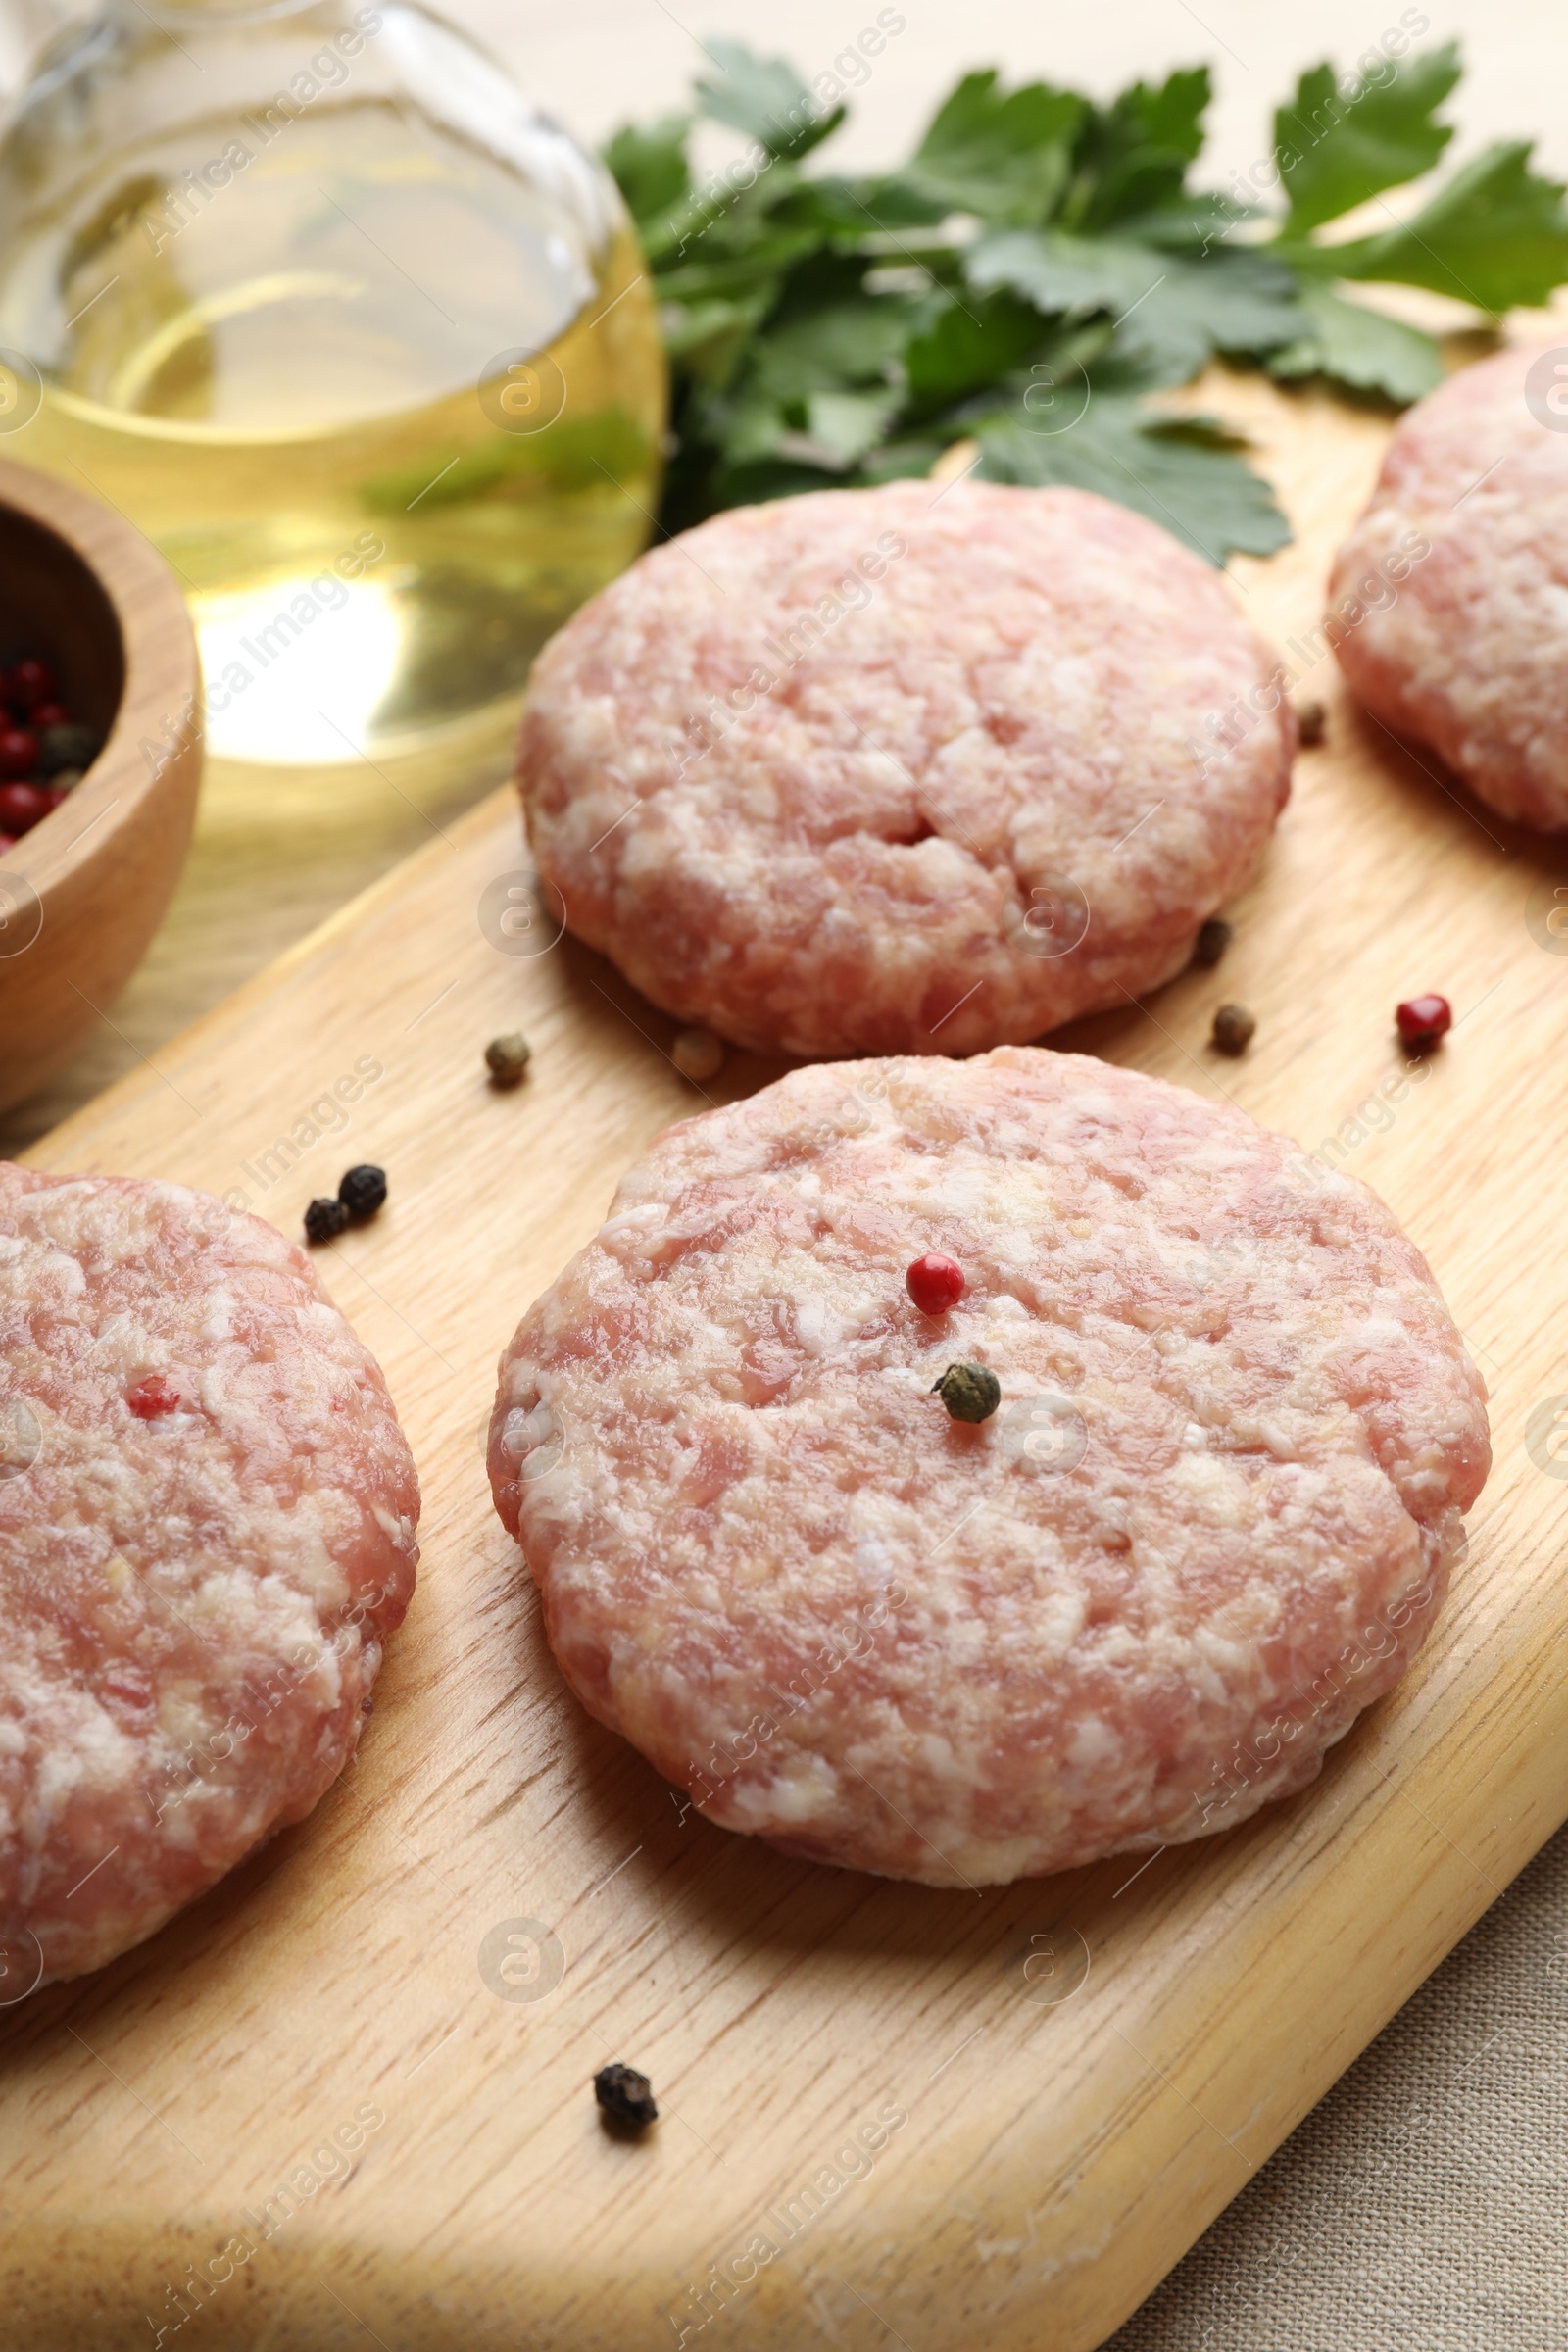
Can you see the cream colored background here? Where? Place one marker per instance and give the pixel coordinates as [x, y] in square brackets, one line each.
[1420, 2208]
[597, 62]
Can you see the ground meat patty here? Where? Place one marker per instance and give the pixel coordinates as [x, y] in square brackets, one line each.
[904, 769]
[1211, 1521]
[207, 1517]
[1460, 568]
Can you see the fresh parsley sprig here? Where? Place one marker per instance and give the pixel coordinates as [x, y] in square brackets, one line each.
[1038, 267]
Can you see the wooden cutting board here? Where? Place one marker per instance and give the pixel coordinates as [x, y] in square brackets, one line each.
[350, 2092]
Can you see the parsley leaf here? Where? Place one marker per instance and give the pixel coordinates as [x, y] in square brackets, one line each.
[1184, 474]
[1175, 313]
[649, 165]
[1334, 148]
[1063, 274]
[1036, 268]
[1237, 303]
[1192, 223]
[963, 348]
[765, 98]
[1361, 348]
[838, 342]
[842, 427]
[705, 338]
[1133, 155]
[1002, 158]
[1496, 235]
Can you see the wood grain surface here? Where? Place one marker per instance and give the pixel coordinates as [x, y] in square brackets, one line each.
[890, 2115]
[81, 895]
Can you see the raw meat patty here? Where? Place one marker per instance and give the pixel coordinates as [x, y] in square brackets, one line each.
[1468, 650]
[192, 1603]
[904, 769]
[1108, 1620]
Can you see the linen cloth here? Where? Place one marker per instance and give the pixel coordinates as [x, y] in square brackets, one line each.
[1420, 2207]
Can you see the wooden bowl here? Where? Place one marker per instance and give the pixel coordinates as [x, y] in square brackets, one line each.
[81, 895]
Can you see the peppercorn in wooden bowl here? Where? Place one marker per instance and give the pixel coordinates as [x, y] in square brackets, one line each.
[114, 677]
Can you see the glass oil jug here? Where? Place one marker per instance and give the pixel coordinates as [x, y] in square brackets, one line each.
[357, 338]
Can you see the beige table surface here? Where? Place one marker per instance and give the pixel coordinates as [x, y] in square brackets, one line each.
[1421, 2207]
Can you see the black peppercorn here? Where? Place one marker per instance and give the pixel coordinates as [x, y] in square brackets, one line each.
[970, 1392]
[627, 2096]
[1212, 941]
[324, 1220]
[363, 1191]
[1233, 1028]
[1311, 721]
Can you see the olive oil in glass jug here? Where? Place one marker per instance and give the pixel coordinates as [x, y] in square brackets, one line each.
[357, 338]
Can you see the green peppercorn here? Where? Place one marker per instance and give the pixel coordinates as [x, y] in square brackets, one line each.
[970, 1392]
[508, 1057]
